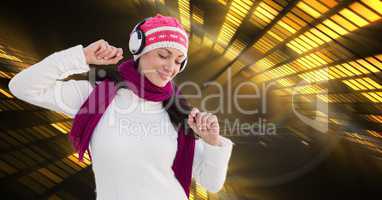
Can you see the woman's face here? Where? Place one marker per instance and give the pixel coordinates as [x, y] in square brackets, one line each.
[161, 65]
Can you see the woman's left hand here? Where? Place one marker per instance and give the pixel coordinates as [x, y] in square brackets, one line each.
[206, 125]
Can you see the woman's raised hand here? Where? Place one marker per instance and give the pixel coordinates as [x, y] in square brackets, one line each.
[206, 125]
[102, 53]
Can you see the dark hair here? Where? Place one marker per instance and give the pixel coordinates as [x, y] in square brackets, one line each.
[176, 106]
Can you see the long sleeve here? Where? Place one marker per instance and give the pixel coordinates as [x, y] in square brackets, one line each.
[210, 163]
[39, 84]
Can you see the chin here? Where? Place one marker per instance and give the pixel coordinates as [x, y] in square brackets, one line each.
[159, 83]
[162, 84]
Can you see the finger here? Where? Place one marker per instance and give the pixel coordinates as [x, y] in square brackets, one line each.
[209, 120]
[117, 57]
[101, 41]
[101, 50]
[102, 44]
[114, 60]
[194, 114]
[106, 52]
[191, 123]
[213, 122]
[119, 52]
[98, 43]
[199, 120]
[97, 46]
[204, 120]
[112, 53]
[190, 118]
[105, 47]
[194, 111]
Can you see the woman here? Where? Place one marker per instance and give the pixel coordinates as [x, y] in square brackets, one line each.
[143, 144]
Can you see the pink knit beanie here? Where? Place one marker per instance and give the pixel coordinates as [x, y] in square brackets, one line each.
[163, 31]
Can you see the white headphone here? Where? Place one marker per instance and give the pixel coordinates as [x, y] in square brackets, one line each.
[137, 42]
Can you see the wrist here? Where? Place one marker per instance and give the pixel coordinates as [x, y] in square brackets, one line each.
[217, 142]
[85, 51]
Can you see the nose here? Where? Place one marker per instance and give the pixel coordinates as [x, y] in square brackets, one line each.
[169, 68]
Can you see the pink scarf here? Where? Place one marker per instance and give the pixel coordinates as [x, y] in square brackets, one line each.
[93, 108]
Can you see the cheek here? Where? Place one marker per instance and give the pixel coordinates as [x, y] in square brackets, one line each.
[176, 71]
[160, 62]
[178, 68]
[154, 63]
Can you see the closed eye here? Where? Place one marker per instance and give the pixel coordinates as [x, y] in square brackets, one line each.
[165, 57]
[162, 56]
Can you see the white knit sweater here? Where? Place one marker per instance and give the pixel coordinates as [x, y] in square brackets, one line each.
[134, 143]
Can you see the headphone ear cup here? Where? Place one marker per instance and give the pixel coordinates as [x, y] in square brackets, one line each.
[183, 65]
[137, 39]
[136, 42]
[142, 40]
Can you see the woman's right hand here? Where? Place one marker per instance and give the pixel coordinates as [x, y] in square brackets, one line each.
[101, 53]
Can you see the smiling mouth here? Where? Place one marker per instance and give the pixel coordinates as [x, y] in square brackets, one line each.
[163, 76]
